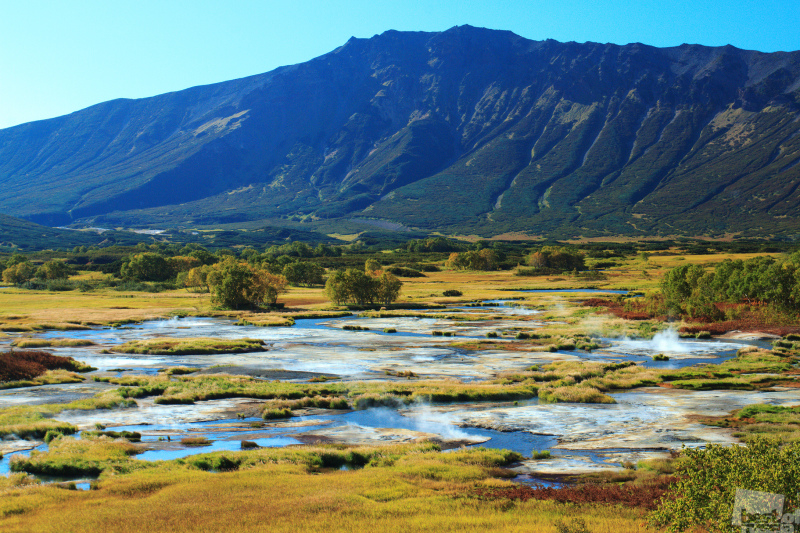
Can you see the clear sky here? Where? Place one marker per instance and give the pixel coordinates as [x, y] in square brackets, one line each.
[58, 56]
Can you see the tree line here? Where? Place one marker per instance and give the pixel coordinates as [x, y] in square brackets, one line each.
[691, 290]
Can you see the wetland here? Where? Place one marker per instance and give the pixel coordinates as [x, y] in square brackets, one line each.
[534, 370]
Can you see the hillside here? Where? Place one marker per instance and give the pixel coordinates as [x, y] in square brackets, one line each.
[463, 131]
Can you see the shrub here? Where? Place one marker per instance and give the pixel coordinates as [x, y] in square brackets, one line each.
[703, 496]
[452, 292]
[543, 454]
[28, 364]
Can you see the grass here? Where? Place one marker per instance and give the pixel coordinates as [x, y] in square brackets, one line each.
[34, 421]
[405, 487]
[69, 457]
[167, 346]
[762, 420]
[56, 343]
[50, 377]
[195, 441]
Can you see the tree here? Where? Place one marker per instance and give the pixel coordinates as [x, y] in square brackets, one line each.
[304, 273]
[183, 263]
[485, 259]
[230, 282]
[198, 277]
[388, 288]
[265, 288]
[53, 270]
[371, 266]
[18, 273]
[557, 258]
[336, 288]
[360, 288]
[147, 266]
[235, 284]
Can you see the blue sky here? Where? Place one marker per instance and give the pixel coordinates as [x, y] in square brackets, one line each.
[58, 56]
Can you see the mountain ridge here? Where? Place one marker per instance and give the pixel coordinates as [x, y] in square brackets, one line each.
[527, 136]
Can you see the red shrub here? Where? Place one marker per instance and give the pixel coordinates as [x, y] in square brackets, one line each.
[29, 364]
[645, 495]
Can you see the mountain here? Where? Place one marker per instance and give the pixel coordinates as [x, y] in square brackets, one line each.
[464, 131]
[16, 234]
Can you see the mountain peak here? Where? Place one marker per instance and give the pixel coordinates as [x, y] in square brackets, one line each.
[466, 130]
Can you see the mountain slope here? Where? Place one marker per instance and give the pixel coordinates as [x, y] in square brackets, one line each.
[467, 130]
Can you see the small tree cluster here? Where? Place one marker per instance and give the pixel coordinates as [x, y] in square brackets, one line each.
[485, 259]
[692, 291]
[20, 270]
[358, 287]
[555, 258]
[304, 273]
[235, 285]
[152, 266]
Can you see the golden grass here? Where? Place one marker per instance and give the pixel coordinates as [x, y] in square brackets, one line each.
[42, 343]
[410, 489]
[197, 345]
[51, 377]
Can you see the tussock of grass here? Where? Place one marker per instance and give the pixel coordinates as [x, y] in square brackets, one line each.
[35, 421]
[576, 394]
[50, 377]
[69, 457]
[42, 343]
[195, 441]
[167, 346]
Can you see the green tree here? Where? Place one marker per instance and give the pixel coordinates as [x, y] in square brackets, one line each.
[235, 285]
[336, 288]
[371, 266]
[356, 286]
[53, 270]
[484, 260]
[304, 273]
[147, 266]
[197, 278]
[388, 288]
[18, 273]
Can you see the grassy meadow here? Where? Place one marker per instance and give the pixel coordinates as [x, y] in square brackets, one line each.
[400, 488]
[342, 488]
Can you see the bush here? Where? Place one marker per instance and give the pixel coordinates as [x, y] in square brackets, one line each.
[404, 272]
[452, 292]
[703, 497]
[29, 364]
